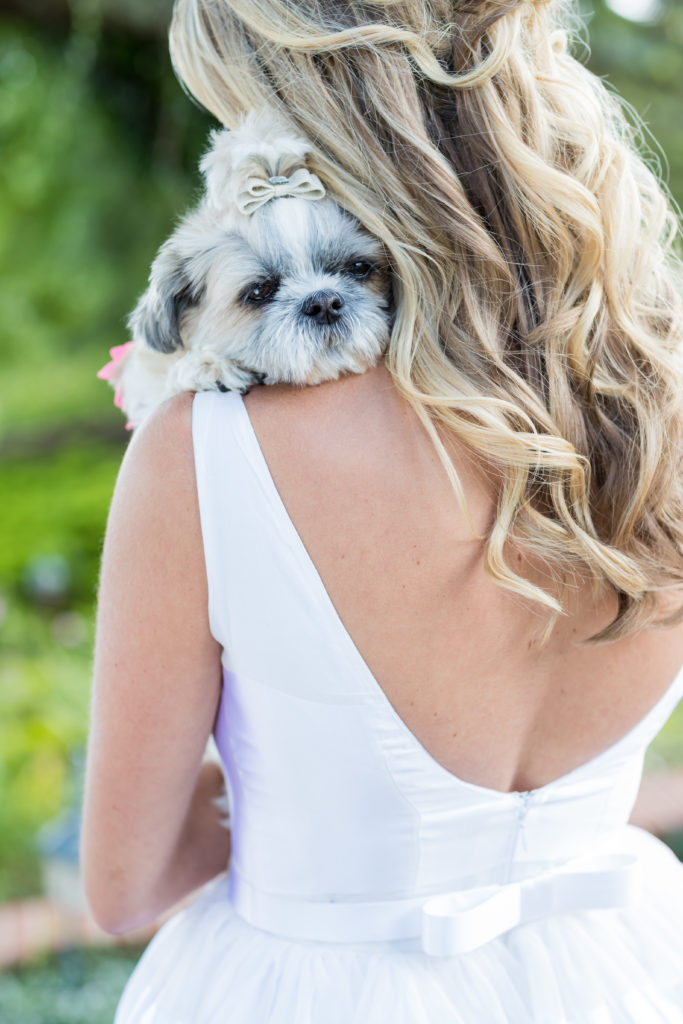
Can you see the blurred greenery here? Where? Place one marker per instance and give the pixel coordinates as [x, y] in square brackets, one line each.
[91, 178]
[644, 62]
[76, 987]
[44, 699]
[99, 151]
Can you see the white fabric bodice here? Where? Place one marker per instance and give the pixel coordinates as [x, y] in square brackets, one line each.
[334, 802]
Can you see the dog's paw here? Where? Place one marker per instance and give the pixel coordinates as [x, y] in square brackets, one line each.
[230, 377]
[200, 371]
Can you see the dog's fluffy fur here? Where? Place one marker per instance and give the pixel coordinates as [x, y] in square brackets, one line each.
[294, 291]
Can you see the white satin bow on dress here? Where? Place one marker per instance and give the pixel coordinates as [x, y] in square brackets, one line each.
[450, 923]
[462, 921]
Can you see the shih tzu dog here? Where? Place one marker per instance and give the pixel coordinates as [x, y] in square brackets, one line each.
[266, 281]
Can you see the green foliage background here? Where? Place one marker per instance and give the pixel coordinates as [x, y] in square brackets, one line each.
[99, 149]
[98, 152]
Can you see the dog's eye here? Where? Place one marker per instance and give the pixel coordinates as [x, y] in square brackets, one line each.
[361, 268]
[261, 291]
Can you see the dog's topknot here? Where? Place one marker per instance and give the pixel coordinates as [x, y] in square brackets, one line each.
[263, 145]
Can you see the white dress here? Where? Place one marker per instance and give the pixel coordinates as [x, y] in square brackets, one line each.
[368, 884]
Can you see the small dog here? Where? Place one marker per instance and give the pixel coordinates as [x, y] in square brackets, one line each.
[266, 281]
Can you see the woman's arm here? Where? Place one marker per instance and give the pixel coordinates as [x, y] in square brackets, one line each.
[150, 831]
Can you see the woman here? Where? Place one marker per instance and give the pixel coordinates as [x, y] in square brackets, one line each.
[432, 611]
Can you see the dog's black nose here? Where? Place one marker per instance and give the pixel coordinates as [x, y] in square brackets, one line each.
[323, 307]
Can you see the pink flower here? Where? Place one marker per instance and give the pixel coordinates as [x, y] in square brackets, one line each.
[110, 372]
[118, 353]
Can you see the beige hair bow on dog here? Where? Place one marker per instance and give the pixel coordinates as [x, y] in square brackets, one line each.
[261, 190]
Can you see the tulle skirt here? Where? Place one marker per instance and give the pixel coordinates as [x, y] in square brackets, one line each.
[208, 966]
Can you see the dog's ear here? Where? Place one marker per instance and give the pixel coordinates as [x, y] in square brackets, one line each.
[157, 317]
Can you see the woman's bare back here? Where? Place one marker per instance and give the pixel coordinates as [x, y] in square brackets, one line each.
[459, 658]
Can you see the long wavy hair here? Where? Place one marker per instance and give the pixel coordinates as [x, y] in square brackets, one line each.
[539, 297]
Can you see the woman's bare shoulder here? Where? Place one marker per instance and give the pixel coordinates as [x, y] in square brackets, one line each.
[154, 508]
[341, 394]
[166, 433]
[157, 471]
[331, 419]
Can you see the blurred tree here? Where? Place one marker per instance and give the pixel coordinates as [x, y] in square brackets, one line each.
[644, 63]
[99, 153]
[152, 16]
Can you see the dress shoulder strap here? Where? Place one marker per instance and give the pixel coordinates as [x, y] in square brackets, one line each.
[267, 606]
[220, 471]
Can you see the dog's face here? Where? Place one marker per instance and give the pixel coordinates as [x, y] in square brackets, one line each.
[296, 291]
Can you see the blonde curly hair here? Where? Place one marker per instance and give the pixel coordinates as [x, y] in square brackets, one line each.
[539, 305]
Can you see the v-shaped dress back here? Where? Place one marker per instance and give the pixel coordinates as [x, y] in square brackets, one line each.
[367, 882]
